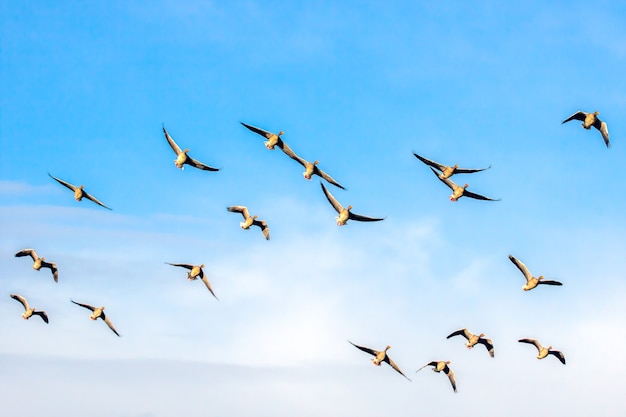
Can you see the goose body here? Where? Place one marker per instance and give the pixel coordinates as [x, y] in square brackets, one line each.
[474, 339]
[591, 119]
[458, 191]
[196, 271]
[442, 366]
[249, 221]
[381, 356]
[543, 352]
[98, 313]
[39, 263]
[344, 213]
[310, 168]
[28, 310]
[448, 171]
[182, 156]
[79, 192]
[531, 280]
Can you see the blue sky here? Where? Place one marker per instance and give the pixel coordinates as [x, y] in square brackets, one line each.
[84, 92]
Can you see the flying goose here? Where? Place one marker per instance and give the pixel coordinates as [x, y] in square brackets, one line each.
[458, 191]
[28, 310]
[542, 351]
[448, 171]
[531, 281]
[196, 271]
[273, 139]
[79, 192]
[183, 158]
[250, 220]
[473, 339]
[344, 213]
[98, 313]
[40, 262]
[380, 356]
[310, 168]
[439, 366]
[591, 119]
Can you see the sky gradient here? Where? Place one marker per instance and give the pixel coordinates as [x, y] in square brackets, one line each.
[84, 92]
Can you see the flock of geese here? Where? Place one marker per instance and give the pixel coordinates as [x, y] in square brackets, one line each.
[344, 214]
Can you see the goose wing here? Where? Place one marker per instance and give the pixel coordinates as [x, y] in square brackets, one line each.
[41, 314]
[450, 373]
[66, 184]
[197, 164]
[361, 218]
[549, 282]
[432, 363]
[53, 269]
[579, 115]
[94, 199]
[463, 332]
[187, 266]
[470, 194]
[365, 349]
[333, 201]
[108, 322]
[532, 342]
[470, 170]
[604, 130]
[173, 144]
[327, 177]
[488, 344]
[520, 265]
[558, 354]
[446, 181]
[433, 164]
[21, 300]
[263, 225]
[258, 130]
[391, 363]
[208, 285]
[28, 252]
[239, 209]
[87, 306]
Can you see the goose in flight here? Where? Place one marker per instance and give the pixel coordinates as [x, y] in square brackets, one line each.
[310, 168]
[473, 339]
[250, 220]
[542, 351]
[273, 139]
[458, 191]
[531, 281]
[98, 313]
[28, 310]
[448, 171]
[380, 356]
[183, 158]
[439, 366]
[196, 271]
[79, 192]
[591, 119]
[40, 262]
[344, 213]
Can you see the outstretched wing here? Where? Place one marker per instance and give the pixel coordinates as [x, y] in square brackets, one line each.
[433, 164]
[333, 201]
[108, 322]
[488, 344]
[208, 285]
[87, 306]
[604, 130]
[327, 177]
[463, 332]
[532, 342]
[470, 194]
[520, 265]
[395, 366]
[558, 354]
[21, 300]
[173, 144]
[239, 209]
[42, 314]
[470, 170]
[197, 164]
[451, 377]
[263, 225]
[53, 269]
[188, 266]
[579, 115]
[432, 363]
[365, 349]
[361, 218]
[66, 184]
[94, 199]
[28, 252]
[446, 181]
[258, 130]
